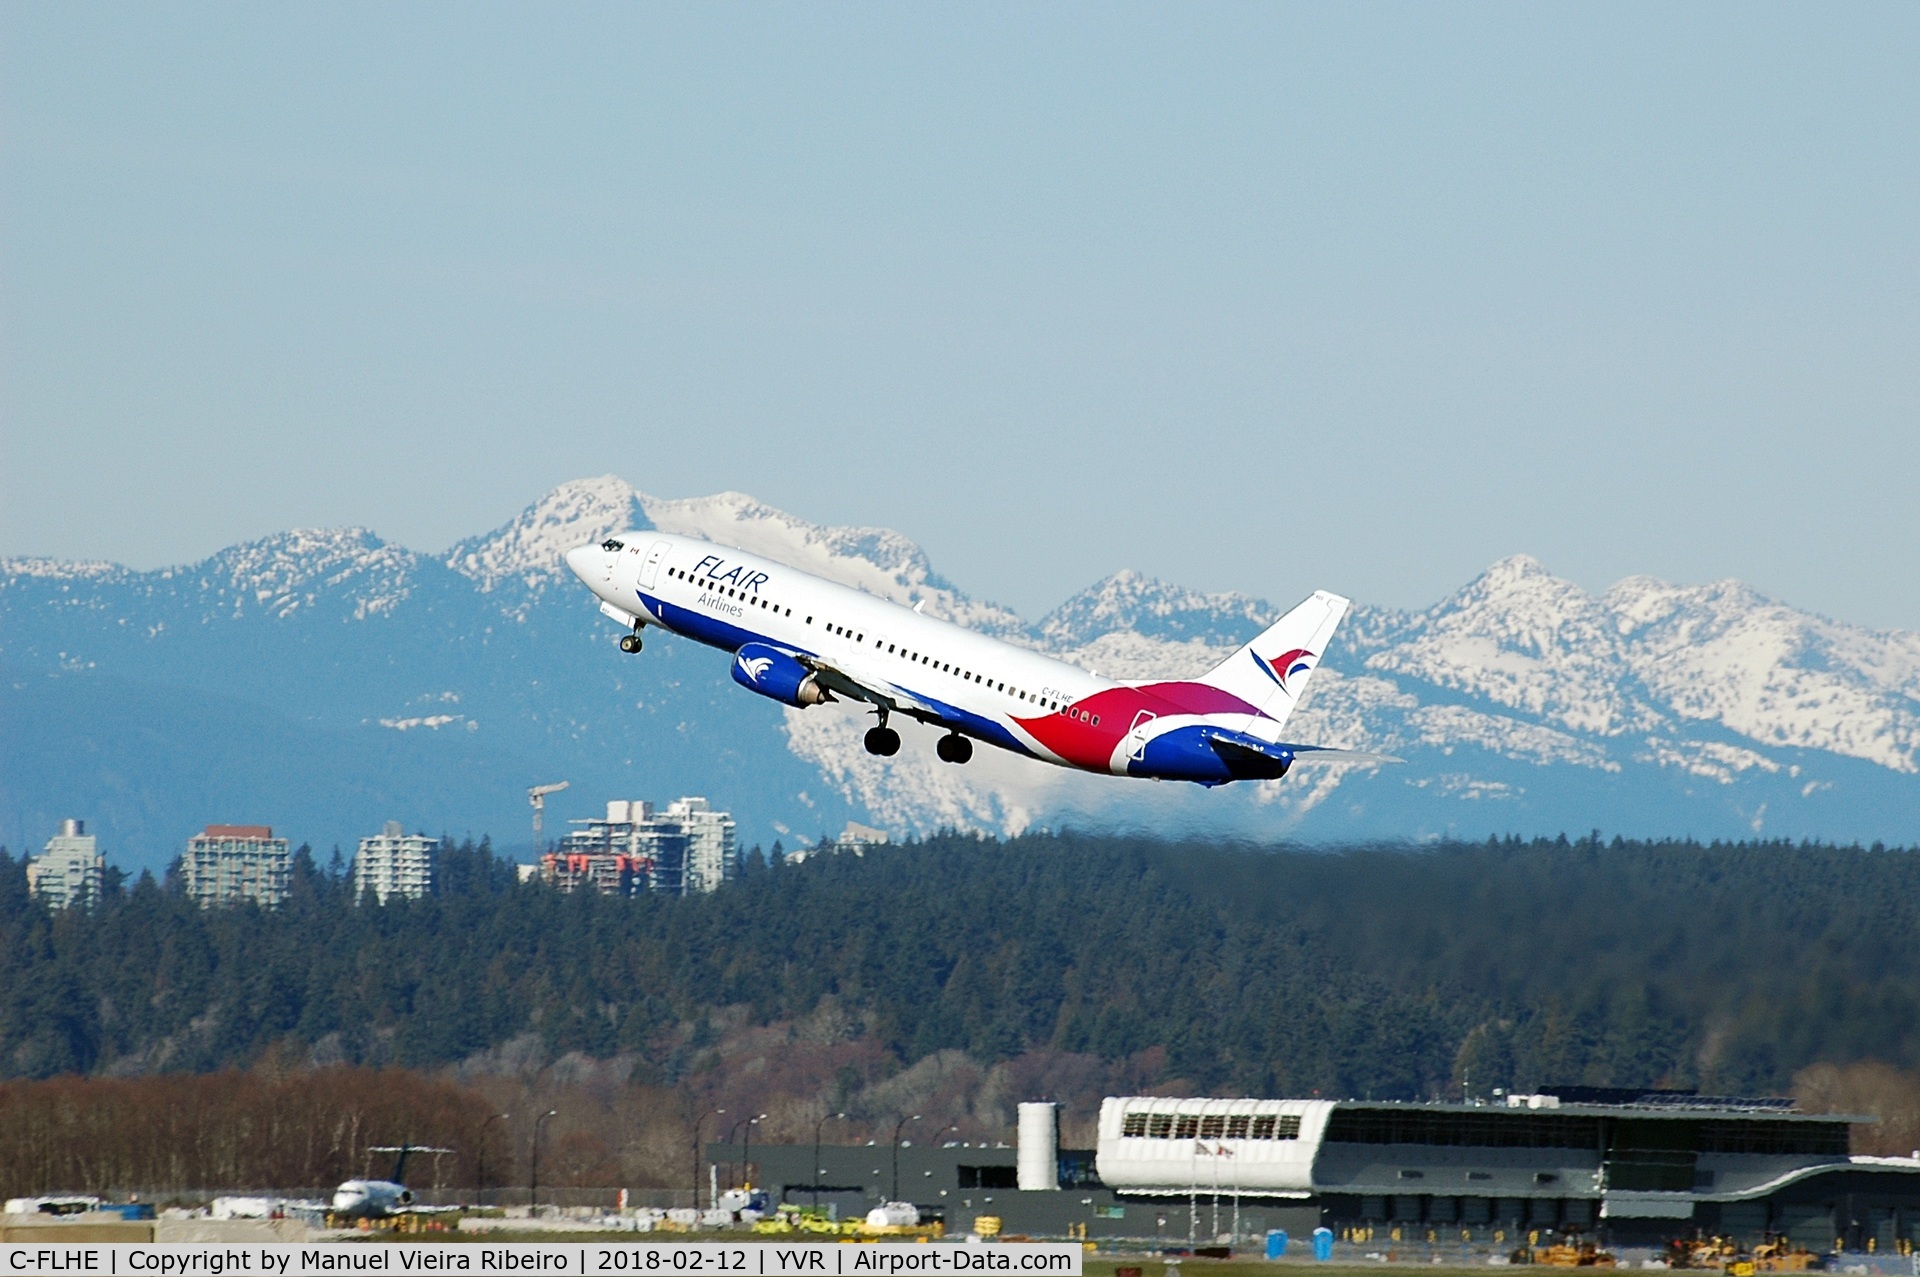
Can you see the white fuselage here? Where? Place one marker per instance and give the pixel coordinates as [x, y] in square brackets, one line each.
[800, 639]
[370, 1198]
[727, 598]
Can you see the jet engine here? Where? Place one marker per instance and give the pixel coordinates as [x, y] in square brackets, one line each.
[773, 672]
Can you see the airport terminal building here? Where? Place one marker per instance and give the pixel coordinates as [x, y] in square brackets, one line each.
[1630, 1167]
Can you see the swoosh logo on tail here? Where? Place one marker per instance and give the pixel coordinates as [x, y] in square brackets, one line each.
[1285, 666]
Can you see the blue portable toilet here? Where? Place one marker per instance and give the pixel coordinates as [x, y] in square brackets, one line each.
[1276, 1243]
[1323, 1243]
[126, 1210]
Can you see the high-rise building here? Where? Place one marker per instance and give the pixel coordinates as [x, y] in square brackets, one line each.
[70, 871]
[231, 863]
[394, 862]
[688, 847]
[711, 857]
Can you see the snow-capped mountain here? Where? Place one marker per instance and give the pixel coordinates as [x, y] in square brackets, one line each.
[326, 681]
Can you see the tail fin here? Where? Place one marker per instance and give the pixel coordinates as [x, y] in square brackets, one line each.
[1271, 672]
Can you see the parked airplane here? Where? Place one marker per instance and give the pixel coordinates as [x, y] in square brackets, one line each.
[380, 1198]
[803, 641]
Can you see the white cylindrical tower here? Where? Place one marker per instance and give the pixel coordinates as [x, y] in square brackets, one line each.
[1039, 1153]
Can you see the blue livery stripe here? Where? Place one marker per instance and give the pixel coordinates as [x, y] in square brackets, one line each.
[713, 632]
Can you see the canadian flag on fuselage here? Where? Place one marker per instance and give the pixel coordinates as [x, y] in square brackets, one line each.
[1271, 672]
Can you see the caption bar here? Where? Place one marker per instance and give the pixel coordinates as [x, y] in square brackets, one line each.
[520, 1259]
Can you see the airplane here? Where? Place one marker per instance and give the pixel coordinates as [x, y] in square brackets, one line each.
[803, 640]
[380, 1198]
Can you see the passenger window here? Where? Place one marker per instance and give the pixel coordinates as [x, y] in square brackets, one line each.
[1096, 720]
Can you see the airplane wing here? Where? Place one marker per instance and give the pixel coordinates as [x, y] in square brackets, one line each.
[895, 699]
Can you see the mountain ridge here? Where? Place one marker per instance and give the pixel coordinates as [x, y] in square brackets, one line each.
[1522, 701]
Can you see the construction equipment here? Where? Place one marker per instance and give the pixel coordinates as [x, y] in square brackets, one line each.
[1780, 1255]
[538, 797]
[1702, 1252]
[1573, 1252]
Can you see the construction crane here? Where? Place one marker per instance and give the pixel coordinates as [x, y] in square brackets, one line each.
[538, 797]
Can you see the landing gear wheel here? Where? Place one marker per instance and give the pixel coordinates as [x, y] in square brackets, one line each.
[954, 748]
[883, 741]
[629, 643]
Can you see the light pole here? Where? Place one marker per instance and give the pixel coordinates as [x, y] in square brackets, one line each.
[816, 1154]
[533, 1170]
[480, 1173]
[746, 1154]
[733, 1133]
[696, 1151]
[896, 1154]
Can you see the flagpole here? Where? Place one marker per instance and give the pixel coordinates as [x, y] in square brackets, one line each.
[1218, 1150]
[1193, 1186]
[1236, 1200]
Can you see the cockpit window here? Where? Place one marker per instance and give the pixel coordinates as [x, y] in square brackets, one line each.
[613, 545]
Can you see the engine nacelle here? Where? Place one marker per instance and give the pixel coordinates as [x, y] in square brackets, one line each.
[772, 672]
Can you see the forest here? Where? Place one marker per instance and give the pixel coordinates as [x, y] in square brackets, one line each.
[1180, 967]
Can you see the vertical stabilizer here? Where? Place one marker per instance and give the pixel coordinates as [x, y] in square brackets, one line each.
[1271, 672]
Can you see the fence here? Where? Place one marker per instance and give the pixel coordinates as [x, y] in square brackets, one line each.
[500, 1198]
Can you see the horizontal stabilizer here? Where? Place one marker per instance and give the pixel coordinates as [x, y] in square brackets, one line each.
[1320, 754]
[1253, 759]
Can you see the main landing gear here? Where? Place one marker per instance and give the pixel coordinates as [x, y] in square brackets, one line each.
[954, 748]
[881, 739]
[630, 643]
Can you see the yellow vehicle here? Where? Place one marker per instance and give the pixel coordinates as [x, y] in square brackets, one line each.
[1574, 1253]
[1779, 1255]
[806, 1219]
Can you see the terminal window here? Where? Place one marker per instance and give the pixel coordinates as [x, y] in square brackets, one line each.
[1210, 1126]
[988, 1177]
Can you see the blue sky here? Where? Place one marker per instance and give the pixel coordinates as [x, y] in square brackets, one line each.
[1252, 297]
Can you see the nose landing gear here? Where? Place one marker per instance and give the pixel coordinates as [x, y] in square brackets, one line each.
[630, 643]
[954, 748]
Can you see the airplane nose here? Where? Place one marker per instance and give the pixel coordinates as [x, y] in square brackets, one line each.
[581, 558]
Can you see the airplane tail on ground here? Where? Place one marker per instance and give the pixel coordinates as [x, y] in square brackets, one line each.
[1271, 672]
